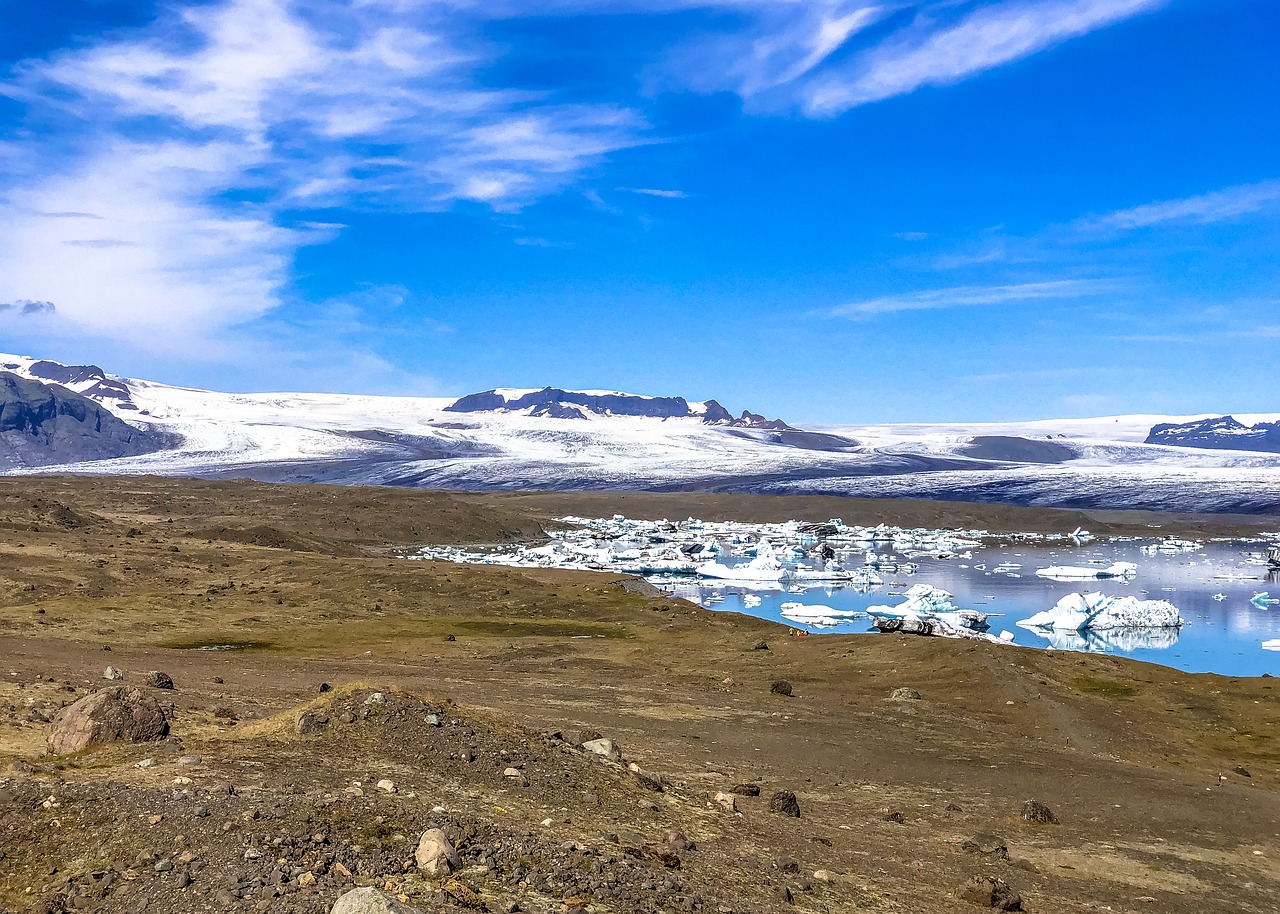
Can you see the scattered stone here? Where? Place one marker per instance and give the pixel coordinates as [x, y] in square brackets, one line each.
[462, 893]
[825, 876]
[604, 747]
[780, 687]
[435, 855]
[587, 736]
[307, 879]
[760, 646]
[987, 845]
[191, 760]
[905, 695]
[164, 866]
[159, 680]
[990, 892]
[311, 722]
[726, 801]
[784, 803]
[376, 698]
[433, 720]
[1243, 771]
[370, 901]
[784, 895]
[954, 807]
[678, 842]
[893, 815]
[325, 687]
[1035, 811]
[786, 865]
[386, 786]
[112, 674]
[112, 715]
[747, 790]
[450, 638]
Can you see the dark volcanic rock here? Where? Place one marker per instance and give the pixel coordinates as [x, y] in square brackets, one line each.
[159, 680]
[990, 892]
[554, 403]
[1221, 432]
[784, 803]
[1035, 811]
[112, 715]
[780, 687]
[44, 425]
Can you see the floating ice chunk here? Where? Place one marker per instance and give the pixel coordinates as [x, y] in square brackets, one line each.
[1219, 597]
[1263, 600]
[818, 614]
[1078, 612]
[750, 600]
[1124, 570]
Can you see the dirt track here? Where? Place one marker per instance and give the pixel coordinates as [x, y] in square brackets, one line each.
[1139, 763]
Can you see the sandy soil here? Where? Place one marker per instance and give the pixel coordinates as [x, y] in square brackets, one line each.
[1164, 784]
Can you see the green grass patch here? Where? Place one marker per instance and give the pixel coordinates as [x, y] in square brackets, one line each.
[532, 628]
[1105, 688]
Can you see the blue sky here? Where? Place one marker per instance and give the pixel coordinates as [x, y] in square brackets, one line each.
[833, 211]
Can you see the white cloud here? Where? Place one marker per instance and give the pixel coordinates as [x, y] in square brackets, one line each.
[132, 217]
[658, 192]
[933, 54]
[973, 296]
[1218, 206]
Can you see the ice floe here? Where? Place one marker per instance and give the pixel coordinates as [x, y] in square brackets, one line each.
[1079, 612]
[1123, 570]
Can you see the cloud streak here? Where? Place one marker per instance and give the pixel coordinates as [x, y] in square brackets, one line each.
[973, 296]
[1218, 206]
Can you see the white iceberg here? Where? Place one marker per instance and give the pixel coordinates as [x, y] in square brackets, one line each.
[1079, 612]
[1123, 570]
[764, 567]
[818, 614]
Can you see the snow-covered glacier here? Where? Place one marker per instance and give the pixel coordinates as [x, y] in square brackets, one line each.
[553, 439]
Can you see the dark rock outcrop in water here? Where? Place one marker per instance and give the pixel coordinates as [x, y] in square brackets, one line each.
[1219, 433]
[554, 403]
[43, 424]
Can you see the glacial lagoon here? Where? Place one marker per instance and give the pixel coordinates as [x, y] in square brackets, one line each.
[1220, 589]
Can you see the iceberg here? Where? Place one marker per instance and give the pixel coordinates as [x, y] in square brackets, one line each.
[764, 567]
[1263, 600]
[818, 614]
[1111, 640]
[1124, 570]
[928, 610]
[1079, 612]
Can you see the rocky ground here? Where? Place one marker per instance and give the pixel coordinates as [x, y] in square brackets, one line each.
[584, 745]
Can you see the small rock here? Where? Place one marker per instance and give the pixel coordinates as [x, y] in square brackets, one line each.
[784, 803]
[604, 747]
[450, 638]
[1243, 771]
[1035, 811]
[747, 790]
[190, 760]
[307, 879]
[325, 687]
[370, 901]
[433, 720]
[148, 763]
[780, 687]
[786, 865]
[824, 876]
[588, 735]
[726, 801]
[893, 815]
[311, 722]
[678, 841]
[987, 845]
[112, 674]
[760, 646]
[990, 892]
[376, 698]
[386, 786]
[435, 855]
[159, 680]
[904, 695]
[164, 866]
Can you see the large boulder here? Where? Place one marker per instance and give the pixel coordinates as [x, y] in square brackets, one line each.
[435, 856]
[117, 714]
[369, 900]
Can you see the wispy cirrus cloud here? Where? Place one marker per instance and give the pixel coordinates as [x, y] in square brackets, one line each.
[1203, 209]
[659, 192]
[155, 205]
[973, 296]
[828, 56]
[933, 54]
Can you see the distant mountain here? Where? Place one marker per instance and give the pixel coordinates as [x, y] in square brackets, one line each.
[81, 419]
[554, 403]
[45, 425]
[1219, 433]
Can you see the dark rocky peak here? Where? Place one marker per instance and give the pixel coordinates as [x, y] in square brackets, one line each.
[43, 424]
[1219, 433]
[90, 380]
[555, 403]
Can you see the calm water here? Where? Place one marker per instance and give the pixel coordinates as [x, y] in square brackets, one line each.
[1221, 636]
